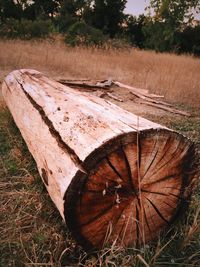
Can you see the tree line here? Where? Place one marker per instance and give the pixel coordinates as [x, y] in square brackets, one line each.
[167, 26]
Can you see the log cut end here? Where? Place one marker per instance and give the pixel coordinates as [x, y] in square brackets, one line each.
[134, 190]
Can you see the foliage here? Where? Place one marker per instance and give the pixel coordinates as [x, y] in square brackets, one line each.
[134, 31]
[162, 30]
[82, 34]
[28, 9]
[189, 40]
[25, 29]
[10, 9]
[45, 7]
[64, 21]
[174, 12]
[167, 27]
[158, 36]
[108, 16]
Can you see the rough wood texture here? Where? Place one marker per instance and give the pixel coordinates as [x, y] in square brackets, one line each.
[142, 94]
[111, 174]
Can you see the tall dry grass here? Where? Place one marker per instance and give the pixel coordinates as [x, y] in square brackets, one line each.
[176, 77]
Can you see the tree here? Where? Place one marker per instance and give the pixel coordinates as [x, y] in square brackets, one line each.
[174, 12]
[158, 36]
[82, 34]
[31, 10]
[10, 9]
[189, 40]
[38, 8]
[71, 11]
[169, 18]
[108, 15]
[133, 30]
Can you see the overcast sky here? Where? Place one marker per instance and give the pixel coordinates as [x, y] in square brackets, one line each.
[136, 7]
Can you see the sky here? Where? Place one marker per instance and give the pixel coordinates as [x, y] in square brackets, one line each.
[136, 7]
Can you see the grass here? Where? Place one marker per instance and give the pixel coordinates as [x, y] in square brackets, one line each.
[30, 226]
[31, 229]
[176, 77]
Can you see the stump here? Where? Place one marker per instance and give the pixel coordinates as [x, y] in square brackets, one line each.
[112, 175]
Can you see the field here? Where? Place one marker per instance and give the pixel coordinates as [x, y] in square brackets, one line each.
[32, 232]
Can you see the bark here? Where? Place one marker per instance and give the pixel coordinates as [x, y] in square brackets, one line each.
[111, 174]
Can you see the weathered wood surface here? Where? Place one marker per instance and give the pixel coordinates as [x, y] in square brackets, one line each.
[147, 98]
[111, 174]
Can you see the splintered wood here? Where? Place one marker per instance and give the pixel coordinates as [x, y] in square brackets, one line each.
[112, 175]
[143, 95]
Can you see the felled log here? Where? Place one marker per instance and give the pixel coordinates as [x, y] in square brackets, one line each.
[112, 175]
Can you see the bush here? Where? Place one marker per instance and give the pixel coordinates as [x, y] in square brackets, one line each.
[159, 36]
[82, 34]
[26, 29]
[117, 44]
[64, 22]
[40, 28]
[189, 40]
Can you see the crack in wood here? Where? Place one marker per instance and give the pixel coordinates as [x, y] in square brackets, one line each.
[165, 149]
[54, 132]
[113, 168]
[157, 210]
[172, 157]
[169, 205]
[171, 176]
[129, 172]
[176, 196]
[145, 216]
[137, 226]
[150, 164]
[45, 176]
[7, 85]
[156, 193]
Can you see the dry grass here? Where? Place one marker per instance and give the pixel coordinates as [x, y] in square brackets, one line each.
[31, 230]
[177, 77]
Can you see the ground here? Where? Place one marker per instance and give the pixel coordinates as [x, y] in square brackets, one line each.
[32, 231]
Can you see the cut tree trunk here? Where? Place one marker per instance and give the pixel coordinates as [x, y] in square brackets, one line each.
[113, 176]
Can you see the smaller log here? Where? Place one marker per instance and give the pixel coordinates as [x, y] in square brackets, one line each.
[81, 84]
[101, 94]
[166, 108]
[114, 97]
[138, 91]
